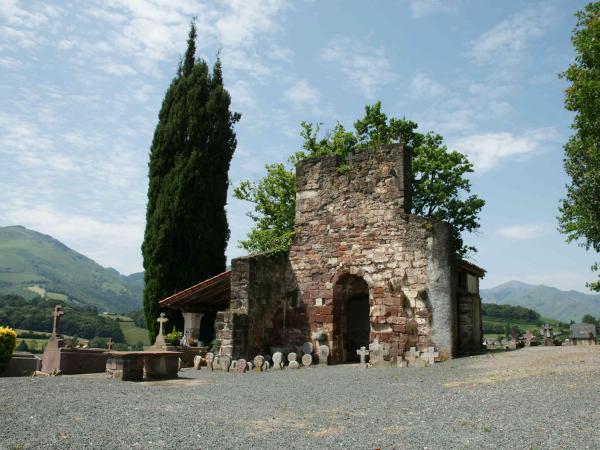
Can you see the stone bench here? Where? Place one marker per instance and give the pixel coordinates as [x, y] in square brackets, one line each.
[135, 366]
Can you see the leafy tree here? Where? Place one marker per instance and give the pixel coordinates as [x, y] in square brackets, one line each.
[588, 318]
[580, 211]
[186, 224]
[440, 187]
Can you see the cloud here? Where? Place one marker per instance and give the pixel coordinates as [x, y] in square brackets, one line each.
[423, 8]
[366, 67]
[506, 41]
[423, 86]
[523, 231]
[487, 150]
[301, 92]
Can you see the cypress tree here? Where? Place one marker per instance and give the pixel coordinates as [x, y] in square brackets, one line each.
[186, 224]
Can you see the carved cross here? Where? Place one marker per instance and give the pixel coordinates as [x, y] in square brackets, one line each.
[430, 355]
[363, 352]
[161, 320]
[109, 344]
[58, 312]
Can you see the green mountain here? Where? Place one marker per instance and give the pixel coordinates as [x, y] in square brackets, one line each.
[548, 301]
[33, 263]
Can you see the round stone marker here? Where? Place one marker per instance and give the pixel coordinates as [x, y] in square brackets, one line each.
[291, 357]
[307, 360]
[294, 364]
[307, 348]
[259, 360]
[277, 359]
[225, 362]
[241, 366]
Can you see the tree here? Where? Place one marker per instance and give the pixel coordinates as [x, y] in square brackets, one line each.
[440, 186]
[588, 318]
[580, 211]
[186, 224]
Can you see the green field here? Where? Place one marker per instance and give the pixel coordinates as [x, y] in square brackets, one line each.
[133, 334]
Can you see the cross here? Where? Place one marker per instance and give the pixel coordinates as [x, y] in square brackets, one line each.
[548, 330]
[411, 355]
[58, 311]
[109, 344]
[430, 355]
[161, 320]
[362, 353]
[528, 337]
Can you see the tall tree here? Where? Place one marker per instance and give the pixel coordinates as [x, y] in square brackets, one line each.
[441, 189]
[186, 225]
[580, 211]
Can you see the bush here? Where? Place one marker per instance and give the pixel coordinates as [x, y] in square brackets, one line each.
[8, 341]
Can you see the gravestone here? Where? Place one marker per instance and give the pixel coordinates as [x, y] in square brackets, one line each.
[197, 362]
[376, 353]
[259, 361]
[307, 348]
[548, 336]
[363, 353]
[292, 357]
[278, 361]
[528, 338]
[209, 360]
[159, 342]
[411, 356]
[419, 362]
[323, 355]
[400, 363]
[294, 364]
[249, 366]
[109, 344]
[266, 366]
[233, 366]
[241, 366]
[307, 360]
[224, 362]
[56, 315]
[430, 356]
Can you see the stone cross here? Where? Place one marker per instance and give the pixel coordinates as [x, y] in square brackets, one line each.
[58, 312]
[528, 338]
[430, 355]
[376, 350]
[363, 352]
[161, 320]
[109, 344]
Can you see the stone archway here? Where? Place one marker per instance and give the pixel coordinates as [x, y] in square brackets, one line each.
[352, 325]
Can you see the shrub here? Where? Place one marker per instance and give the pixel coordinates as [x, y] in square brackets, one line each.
[8, 341]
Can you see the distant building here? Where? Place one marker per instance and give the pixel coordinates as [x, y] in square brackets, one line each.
[583, 334]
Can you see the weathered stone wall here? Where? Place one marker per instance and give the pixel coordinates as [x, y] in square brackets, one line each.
[264, 309]
[469, 323]
[352, 225]
[355, 221]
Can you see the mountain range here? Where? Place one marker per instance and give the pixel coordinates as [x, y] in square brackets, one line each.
[33, 263]
[548, 301]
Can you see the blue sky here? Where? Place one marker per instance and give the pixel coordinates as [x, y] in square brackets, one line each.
[82, 83]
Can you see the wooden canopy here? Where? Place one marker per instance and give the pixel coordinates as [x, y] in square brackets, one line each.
[210, 295]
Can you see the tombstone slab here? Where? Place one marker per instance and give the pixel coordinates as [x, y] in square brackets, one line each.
[197, 362]
[294, 364]
[363, 353]
[323, 355]
[210, 357]
[292, 357]
[241, 366]
[259, 361]
[307, 360]
[376, 354]
[224, 362]
[277, 361]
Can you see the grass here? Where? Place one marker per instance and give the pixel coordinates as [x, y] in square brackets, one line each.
[133, 334]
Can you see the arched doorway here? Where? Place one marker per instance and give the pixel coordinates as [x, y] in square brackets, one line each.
[352, 326]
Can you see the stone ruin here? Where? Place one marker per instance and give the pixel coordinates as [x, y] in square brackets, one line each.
[362, 269]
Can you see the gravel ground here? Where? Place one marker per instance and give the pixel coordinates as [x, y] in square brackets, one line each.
[531, 398]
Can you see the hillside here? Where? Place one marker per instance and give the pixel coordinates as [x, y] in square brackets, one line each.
[34, 262]
[548, 301]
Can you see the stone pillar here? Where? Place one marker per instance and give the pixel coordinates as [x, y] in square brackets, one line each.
[191, 325]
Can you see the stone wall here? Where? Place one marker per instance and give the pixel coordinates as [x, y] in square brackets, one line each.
[264, 309]
[351, 218]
